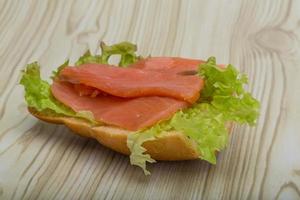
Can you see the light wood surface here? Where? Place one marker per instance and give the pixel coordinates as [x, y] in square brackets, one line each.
[261, 37]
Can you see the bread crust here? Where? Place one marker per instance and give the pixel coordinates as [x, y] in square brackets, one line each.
[172, 145]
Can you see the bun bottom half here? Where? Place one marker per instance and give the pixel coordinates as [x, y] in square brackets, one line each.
[170, 146]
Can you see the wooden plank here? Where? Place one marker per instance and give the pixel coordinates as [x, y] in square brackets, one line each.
[262, 38]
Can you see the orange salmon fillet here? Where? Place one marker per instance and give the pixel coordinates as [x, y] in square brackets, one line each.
[132, 82]
[132, 114]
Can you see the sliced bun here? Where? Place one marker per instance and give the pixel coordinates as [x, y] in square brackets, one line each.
[172, 145]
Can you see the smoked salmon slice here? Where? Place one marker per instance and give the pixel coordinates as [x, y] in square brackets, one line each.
[134, 82]
[133, 98]
[129, 113]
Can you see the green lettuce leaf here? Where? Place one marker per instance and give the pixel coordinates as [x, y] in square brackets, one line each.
[38, 95]
[126, 50]
[224, 90]
[135, 141]
[223, 100]
[206, 126]
[138, 156]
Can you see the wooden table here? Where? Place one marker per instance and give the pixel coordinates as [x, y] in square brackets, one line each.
[262, 38]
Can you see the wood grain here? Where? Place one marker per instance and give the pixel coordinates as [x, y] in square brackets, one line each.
[262, 38]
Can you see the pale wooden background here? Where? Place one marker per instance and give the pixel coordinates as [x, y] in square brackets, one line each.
[261, 37]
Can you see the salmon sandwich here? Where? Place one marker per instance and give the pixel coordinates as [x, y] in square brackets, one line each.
[153, 108]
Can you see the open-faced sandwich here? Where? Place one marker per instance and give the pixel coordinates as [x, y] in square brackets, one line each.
[154, 108]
